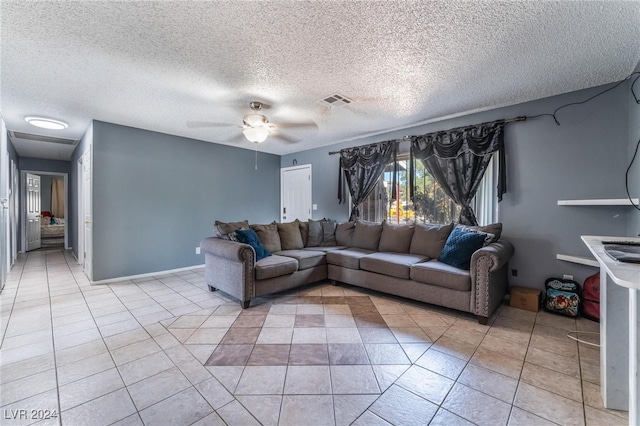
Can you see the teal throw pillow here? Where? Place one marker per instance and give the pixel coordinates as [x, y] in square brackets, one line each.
[460, 246]
[249, 236]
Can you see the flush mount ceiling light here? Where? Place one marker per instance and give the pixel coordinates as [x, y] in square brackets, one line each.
[256, 134]
[46, 123]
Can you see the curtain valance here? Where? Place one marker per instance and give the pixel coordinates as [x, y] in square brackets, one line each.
[361, 167]
[457, 159]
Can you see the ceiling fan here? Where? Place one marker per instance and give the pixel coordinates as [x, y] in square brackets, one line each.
[257, 127]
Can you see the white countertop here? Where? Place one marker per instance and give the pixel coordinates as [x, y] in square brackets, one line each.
[623, 274]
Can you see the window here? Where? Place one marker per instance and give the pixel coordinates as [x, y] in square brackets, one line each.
[431, 204]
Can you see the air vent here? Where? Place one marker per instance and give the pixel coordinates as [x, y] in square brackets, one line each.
[336, 100]
[40, 138]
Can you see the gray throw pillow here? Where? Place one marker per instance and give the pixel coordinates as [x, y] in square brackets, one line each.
[304, 232]
[221, 229]
[269, 237]
[315, 233]
[344, 233]
[428, 240]
[328, 233]
[493, 231]
[395, 238]
[366, 235]
[290, 237]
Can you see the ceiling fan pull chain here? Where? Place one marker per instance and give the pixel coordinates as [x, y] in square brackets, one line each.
[256, 155]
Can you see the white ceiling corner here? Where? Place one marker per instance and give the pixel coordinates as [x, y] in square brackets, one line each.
[158, 65]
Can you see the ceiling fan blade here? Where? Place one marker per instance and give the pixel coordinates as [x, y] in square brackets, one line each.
[283, 137]
[237, 138]
[199, 124]
[297, 125]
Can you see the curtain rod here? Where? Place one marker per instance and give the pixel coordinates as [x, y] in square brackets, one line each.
[510, 120]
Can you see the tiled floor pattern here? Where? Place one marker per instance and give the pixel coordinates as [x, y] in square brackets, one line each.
[165, 351]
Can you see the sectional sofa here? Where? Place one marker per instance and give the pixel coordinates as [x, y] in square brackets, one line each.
[411, 261]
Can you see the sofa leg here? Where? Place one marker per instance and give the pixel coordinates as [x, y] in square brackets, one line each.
[482, 320]
[245, 304]
[211, 288]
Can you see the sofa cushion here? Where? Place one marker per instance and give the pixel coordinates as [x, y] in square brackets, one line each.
[315, 233]
[275, 266]
[304, 231]
[220, 229]
[325, 249]
[366, 235]
[442, 275]
[344, 233]
[395, 238]
[328, 233]
[269, 236]
[392, 264]
[290, 236]
[428, 240]
[249, 236]
[348, 258]
[306, 258]
[460, 246]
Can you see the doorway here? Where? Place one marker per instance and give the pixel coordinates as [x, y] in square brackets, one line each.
[295, 193]
[45, 211]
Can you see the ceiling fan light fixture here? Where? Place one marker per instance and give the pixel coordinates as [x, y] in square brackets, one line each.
[256, 134]
[255, 120]
[46, 123]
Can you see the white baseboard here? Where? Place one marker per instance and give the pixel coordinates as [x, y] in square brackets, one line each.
[150, 274]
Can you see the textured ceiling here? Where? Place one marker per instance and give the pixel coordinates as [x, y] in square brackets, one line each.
[159, 65]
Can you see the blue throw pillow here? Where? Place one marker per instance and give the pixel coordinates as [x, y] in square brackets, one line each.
[249, 236]
[460, 246]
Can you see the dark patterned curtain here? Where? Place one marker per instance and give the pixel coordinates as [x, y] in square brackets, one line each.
[361, 167]
[458, 158]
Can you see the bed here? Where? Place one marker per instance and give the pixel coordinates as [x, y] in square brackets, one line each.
[51, 227]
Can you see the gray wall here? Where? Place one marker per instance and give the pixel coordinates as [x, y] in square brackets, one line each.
[42, 165]
[155, 196]
[13, 155]
[45, 193]
[585, 157]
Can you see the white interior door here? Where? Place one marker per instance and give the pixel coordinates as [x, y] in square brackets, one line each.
[14, 212]
[80, 213]
[295, 193]
[87, 213]
[4, 206]
[33, 211]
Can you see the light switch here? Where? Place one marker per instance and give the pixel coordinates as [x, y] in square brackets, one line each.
[314, 207]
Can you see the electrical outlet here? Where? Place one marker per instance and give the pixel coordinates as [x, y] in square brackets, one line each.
[197, 250]
[514, 272]
[567, 277]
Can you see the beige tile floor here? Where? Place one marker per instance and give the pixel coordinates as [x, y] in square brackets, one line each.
[165, 351]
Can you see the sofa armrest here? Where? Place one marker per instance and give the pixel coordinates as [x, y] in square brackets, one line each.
[229, 266]
[489, 278]
[230, 250]
[499, 252]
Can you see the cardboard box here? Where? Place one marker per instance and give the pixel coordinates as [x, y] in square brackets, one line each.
[525, 298]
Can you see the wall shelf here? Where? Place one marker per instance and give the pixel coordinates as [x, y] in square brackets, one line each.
[578, 259]
[600, 202]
